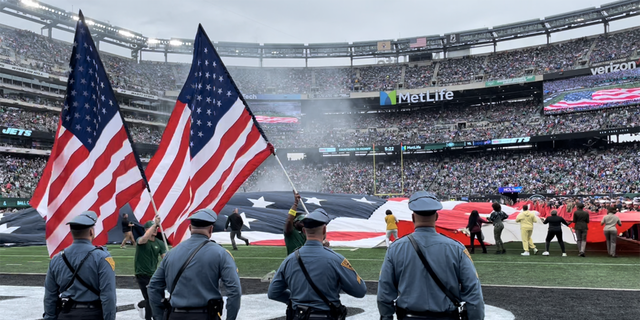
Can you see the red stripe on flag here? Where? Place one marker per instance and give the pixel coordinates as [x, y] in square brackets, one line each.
[229, 138]
[85, 186]
[169, 132]
[162, 190]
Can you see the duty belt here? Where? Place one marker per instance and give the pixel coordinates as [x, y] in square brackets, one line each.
[191, 310]
[87, 305]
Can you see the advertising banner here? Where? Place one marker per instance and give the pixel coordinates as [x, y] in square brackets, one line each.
[505, 82]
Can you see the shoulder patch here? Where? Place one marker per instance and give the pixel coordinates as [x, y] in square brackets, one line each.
[467, 253]
[234, 259]
[111, 262]
[345, 263]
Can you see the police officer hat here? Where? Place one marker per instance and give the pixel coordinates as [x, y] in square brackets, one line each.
[424, 203]
[84, 220]
[316, 218]
[203, 218]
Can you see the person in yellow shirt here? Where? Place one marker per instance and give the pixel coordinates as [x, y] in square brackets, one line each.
[392, 226]
[526, 219]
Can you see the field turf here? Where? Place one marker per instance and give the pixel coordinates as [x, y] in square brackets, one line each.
[594, 271]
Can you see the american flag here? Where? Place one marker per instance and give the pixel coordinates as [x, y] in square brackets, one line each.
[418, 43]
[599, 98]
[211, 145]
[92, 165]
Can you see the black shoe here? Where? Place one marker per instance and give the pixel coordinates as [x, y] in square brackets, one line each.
[472, 252]
[581, 255]
[235, 249]
[614, 256]
[246, 242]
[484, 251]
[504, 251]
[498, 252]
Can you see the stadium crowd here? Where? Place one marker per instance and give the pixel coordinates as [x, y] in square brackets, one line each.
[558, 172]
[37, 52]
[19, 175]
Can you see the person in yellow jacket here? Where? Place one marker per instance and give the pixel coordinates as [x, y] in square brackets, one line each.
[526, 219]
[392, 227]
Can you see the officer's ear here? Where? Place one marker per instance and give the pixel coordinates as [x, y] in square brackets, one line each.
[92, 233]
[413, 217]
[190, 228]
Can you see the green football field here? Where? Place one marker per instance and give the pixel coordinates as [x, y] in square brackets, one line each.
[597, 270]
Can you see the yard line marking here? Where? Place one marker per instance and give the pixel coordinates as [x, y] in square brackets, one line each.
[13, 264]
[354, 249]
[553, 263]
[546, 287]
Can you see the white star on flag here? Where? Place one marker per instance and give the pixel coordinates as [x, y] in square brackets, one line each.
[363, 200]
[260, 203]
[245, 220]
[314, 200]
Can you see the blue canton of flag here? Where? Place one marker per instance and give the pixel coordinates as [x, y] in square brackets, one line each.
[209, 95]
[90, 103]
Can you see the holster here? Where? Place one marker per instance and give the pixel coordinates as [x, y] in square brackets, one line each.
[214, 308]
[65, 305]
[290, 315]
[339, 313]
[166, 306]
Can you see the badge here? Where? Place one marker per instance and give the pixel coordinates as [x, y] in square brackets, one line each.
[345, 263]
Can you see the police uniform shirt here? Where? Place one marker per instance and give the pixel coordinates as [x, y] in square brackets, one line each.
[330, 272]
[97, 271]
[403, 276]
[199, 282]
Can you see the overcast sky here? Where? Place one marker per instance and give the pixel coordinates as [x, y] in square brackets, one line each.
[300, 21]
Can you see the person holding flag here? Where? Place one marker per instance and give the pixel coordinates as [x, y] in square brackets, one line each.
[91, 173]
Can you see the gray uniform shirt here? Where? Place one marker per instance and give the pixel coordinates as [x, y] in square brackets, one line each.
[199, 282]
[330, 272]
[404, 277]
[97, 271]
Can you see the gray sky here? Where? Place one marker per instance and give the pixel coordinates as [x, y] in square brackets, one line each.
[299, 21]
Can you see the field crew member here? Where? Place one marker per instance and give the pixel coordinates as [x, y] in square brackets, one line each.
[92, 293]
[195, 295]
[327, 270]
[405, 279]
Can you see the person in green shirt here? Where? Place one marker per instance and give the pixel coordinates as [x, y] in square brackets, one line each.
[149, 251]
[294, 238]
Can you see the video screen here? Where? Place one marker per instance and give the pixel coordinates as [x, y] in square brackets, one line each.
[603, 89]
[276, 111]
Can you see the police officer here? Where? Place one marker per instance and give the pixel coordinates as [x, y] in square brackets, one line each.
[405, 278]
[196, 294]
[92, 293]
[329, 271]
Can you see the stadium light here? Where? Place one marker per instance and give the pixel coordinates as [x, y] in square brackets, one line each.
[126, 33]
[175, 42]
[152, 41]
[89, 22]
[30, 3]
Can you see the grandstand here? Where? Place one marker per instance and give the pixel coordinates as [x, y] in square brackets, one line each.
[495, 130]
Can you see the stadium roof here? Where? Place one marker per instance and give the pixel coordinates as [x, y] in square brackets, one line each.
[55, 18]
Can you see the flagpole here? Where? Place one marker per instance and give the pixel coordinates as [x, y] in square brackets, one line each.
[155, 210]
[291, 182]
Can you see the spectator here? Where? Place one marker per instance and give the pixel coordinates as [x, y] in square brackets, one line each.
[555, 230]
[294, 238]
[148, 253]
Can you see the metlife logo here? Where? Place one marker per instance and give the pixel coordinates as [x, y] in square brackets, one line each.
[390, 98]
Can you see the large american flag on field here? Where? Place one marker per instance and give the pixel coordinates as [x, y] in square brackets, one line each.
[211, 145]
[92, 165]
[596, 99]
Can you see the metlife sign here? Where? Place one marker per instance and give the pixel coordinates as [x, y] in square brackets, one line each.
[390, 98]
